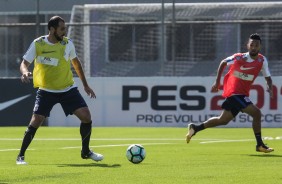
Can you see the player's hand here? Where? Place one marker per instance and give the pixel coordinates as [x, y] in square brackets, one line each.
[269, 90]
[214, 88]
[25, 77]
[90, 92]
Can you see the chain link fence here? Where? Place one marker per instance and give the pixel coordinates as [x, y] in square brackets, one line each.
[151, 39]
[17, 31]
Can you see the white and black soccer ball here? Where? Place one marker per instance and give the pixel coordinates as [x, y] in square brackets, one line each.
[135, 153]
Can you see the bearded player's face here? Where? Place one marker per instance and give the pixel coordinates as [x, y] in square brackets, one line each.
[60, 31]
[253, 47]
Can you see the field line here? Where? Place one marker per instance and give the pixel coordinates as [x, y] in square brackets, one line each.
[2, 150]
[116, 145]
[9, 150]
[103, 139]
[223, 141]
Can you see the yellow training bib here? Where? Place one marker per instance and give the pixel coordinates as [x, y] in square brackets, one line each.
[51, 69]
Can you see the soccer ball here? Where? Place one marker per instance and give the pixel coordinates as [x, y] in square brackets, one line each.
[135, 153]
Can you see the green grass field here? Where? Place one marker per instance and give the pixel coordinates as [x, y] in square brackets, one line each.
[218, 155]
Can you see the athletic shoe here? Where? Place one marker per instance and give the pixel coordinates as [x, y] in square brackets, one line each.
[191, 132]
[91, 155]
[20, 160]
[263, 148]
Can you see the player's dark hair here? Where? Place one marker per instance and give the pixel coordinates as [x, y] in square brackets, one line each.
[54, 22]
[255, 36]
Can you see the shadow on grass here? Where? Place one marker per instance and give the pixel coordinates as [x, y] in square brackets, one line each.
[90, 165]
[265, 155]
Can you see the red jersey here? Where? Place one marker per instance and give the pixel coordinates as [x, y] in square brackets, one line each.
[242, 72]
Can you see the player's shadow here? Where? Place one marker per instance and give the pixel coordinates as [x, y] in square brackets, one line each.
[265, 155]
[90, 165]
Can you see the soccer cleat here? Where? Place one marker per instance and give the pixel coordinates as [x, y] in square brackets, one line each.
[91, 155]
[20, 160]
[191, 132]
[263, 148]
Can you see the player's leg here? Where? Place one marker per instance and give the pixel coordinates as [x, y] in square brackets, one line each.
[43, 105]
[230, 111]
[29, 134]
[73, 103]
[223, 119]
[84, 115]
[255, 113]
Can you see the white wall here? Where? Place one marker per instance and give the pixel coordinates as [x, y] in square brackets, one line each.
[107, 108]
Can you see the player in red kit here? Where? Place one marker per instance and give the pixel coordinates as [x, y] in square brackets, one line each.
[243, 70]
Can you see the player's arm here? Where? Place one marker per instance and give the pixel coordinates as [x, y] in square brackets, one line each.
[216, 84]
[78, 69]
[24, 71]
[27, 60]
[269, 86]
[266, 73]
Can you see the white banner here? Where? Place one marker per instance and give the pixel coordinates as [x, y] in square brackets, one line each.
[166, 102]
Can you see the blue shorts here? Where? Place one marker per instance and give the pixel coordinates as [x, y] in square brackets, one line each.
[69, 100]
[236, 103]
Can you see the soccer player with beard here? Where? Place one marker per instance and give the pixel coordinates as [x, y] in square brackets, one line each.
[53, 55]
[243, 70]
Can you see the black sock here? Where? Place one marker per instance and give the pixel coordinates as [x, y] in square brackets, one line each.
[85, 132]
[28, 136]
[199, 127]
[258, 138]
